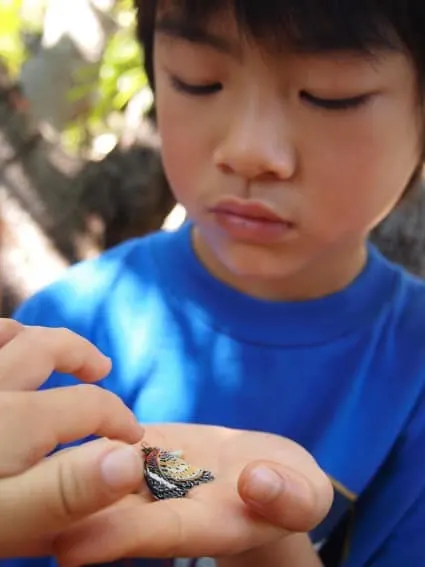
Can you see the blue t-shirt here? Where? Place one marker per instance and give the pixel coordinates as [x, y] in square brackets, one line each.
[341, 375]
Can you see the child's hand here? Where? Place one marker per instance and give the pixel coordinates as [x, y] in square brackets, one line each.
[38, 496]
[213, 519]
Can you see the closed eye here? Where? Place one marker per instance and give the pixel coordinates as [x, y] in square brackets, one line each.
[193, 89]
[335, 103]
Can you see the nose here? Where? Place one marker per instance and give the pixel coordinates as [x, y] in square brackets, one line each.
[256, 146]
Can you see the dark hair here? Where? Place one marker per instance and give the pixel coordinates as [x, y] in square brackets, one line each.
[318, 25]
[311, 25]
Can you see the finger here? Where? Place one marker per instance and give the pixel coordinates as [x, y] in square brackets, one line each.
[34, 423]
[33, 354]
[155, 529]
[49, 497]
[186, 527]
[9, 328]
[284, 497]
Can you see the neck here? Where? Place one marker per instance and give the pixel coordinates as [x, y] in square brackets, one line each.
[330, 273]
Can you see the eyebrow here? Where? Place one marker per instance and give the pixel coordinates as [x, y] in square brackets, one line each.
[179, 29]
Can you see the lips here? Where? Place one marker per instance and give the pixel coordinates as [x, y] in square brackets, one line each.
[251, 222]
[248, 210]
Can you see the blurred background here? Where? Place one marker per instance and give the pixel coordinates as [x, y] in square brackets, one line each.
[80, 158]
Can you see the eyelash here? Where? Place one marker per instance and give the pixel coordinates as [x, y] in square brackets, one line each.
[195, 90]
[337, 104]
[340, 104]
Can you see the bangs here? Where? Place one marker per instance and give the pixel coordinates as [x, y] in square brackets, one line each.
[311, 26]
[306, 25]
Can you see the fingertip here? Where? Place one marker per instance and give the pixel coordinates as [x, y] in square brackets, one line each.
[97, 369]
[260, 484]
[106, 364]
[136, 435]
[282, 496]
[121, 469]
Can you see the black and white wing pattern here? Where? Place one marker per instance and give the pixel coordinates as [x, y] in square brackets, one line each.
[169, 476]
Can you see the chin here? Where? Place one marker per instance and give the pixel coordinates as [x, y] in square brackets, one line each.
[243, 262]
[257, 266]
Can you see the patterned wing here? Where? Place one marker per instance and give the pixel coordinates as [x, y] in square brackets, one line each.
[169, 476]
[177, 469]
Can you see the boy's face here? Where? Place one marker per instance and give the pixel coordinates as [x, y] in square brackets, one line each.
[327, 143]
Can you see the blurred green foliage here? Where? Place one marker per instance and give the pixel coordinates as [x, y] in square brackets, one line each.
[120, 77]
[12, 48]
[111, 86]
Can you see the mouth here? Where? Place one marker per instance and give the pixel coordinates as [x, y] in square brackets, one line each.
[251, 221]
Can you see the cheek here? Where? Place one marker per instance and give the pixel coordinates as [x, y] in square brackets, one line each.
[179, 154]
[361, 176]
[186, 138]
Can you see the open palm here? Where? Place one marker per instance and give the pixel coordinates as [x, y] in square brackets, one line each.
[213, 519]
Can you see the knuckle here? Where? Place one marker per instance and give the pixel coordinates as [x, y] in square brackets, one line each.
[77, 492]
[67, 336]
[64, 506]
[38, 340]
[100, 400]
[9, 327]
[49, 336]
[62, 336]
[112, 399]
[104, 396]
[62, 332]
[36, 333]
[90, 393]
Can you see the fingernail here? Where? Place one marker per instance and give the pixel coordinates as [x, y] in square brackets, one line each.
[263, 485]
[122, 468]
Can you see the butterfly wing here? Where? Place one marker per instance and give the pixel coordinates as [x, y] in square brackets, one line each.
[178, 471]
[169, 476]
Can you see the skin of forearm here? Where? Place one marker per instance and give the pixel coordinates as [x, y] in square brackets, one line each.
[292, 551]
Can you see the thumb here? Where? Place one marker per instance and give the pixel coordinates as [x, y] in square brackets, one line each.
[285, 497]
[64, 488]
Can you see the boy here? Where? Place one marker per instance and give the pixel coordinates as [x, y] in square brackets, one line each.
[289, 130]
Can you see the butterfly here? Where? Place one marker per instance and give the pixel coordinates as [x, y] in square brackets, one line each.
[168, 475]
